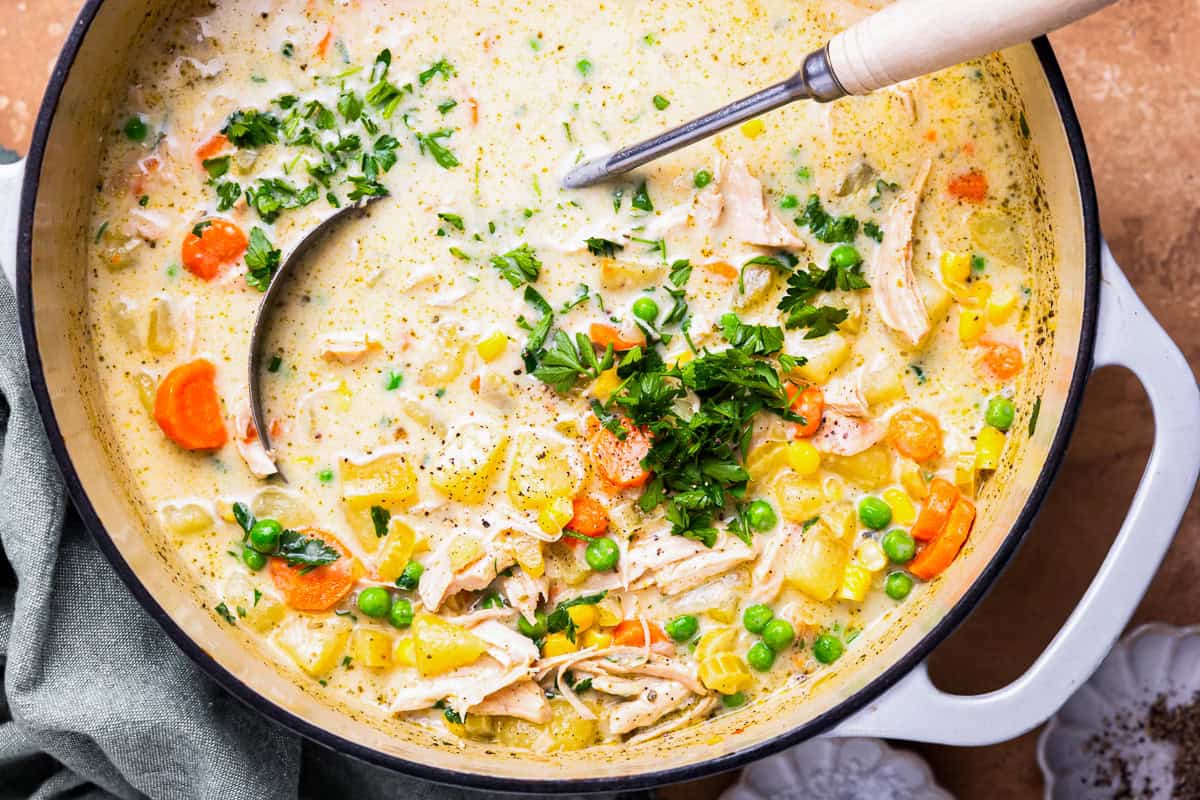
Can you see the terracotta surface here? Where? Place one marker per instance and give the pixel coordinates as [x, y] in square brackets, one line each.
[1135, 76]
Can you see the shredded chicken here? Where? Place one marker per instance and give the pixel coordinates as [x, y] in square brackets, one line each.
[676, 564]
[349, 347]
[523, 700]
[657, 699]
[440, 580]
[746, 213]
[524, 592]
[896, 295]
[845, 435]
[772, 564]
[698, 710]
[845, 395]
[259, 459]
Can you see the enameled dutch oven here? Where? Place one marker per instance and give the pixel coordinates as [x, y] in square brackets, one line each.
[1088, 317]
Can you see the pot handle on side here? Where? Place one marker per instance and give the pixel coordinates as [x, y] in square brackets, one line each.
[1128, 336]
[11, 177]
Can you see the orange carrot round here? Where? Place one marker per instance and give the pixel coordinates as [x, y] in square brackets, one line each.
[970, 186]
[941, 552]
[219, 242]
[590, 518]
[722, 270]
[619, 461]
[217, 144]
[935, 512]
[187, 408]
[810, 404]
[915, 434]
[1002, 360]
[629, 633]
[602, 335]
[318, 589]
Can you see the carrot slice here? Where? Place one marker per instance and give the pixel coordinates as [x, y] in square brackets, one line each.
[219, 242]
[916, 434]
[629, 633]
[187, 408]
[217, 144]
[590, 518]
[619, 461]
[318, 589]
[474, 110]
[722, 270]
[323, 45]
[941, 552]
[810, 404]
[970, 186]
[602, 335]
[935, 512]
[1002, 360]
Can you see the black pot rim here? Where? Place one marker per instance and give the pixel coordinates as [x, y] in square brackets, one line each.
[807, 730]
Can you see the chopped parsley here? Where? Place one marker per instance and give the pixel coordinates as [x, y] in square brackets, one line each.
[275, 363]
[262, 260]
[641, 199]
[444, 157]
[757, 340]
[380, 517]
[271, 196]
[872, 230]
[252, 129]
[562, 365]
[440, 67]
[559, 620]
[681, 272]
[661, 102]
[584, 66]
[518, 266]
[605, 248]
[225, 613]
[228, 193]
[453, 219]
[1033, 416]
[216, 167]
[393, 380]
[802, 288]
[824, 227]
[446, 106]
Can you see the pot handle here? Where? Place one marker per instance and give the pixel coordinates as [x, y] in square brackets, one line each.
[1128, 336]
[11, 177]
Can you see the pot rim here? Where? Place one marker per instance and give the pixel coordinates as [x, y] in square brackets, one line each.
[809, 729]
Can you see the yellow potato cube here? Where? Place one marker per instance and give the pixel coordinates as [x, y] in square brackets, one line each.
[404, 653]
[903, 510]
[1000, 306]
[464, 550]
[798, 499]
[725, 673]
[440, 646]
[160, 337]
[282, 505]
[263, 615]
[568, 730]
[869, 469]
[555, 515]
[764, 461]
[316, 644]
[988, 447]
[397, 550]
[492, 347]
[186, 519]
[912, 480]
[824, 356]
[370, 647]
[527, 552]
[971, 325]
[467, 465]
[605, 385]
[542, 471]
[557, 644]
[818, 563]
[965, 473]
[955, 267]
[388, 480]
[607, 614]
[716, 640]
[597, 639]
[583, 616]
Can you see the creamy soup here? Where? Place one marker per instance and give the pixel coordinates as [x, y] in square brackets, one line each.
[563, 468]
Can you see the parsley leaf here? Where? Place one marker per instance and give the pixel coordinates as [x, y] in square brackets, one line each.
[559, 620]
[681, 272]
[228, 193]
[762, 340]
[262, 260]
[824, 227]
[380, 517]
[641, 199]
[519, 266]
[440, 67]
[307, 551]
[272, 196]
[454, 219]
[605, 248]
[251, 128]
[872, 230]
[216, 167]
[441, 154]
[562, 366]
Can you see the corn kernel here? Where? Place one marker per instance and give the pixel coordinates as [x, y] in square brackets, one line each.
[596, 638]
[1000, 306]
[903, 511]
[492, 347]
[964, 473]
[870, 555]
[754, 128]
[553, 516]
[855, 582]
[956, 268]
[988, 446]
[343, 396]
[725, 673]
[583, 616]
[404, 653]
[370, 648]
[605, 385]
[978, 294]
[971, 325]
[557, 644]
[803, 458]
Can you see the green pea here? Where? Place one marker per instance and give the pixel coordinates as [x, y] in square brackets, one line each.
[683, 627]
[756, 617]
[899, 546]
[253, 559]
[325, 476]
[1000, 413]
[401, 613]
[761, 516]
[136, 129]
[411, 576]
[535, 629]
[264, 536]
[778, 634]
[845, 256]
[375, 602]
[789, 201]
[703, 178]
[602, 554]
[898, 585]
[827, 648]
[874, 513]
[645, 309]
[493, 600]
[760, 657]
[733, 700]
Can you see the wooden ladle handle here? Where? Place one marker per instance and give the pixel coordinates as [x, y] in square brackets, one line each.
[916, 37]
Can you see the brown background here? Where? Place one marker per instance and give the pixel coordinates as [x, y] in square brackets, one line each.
[1134, 72]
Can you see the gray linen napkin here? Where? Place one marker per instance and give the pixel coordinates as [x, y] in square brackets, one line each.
[97, 701]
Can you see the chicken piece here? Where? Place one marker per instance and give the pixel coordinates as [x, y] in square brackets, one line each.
[657, 667]
[700, 709]
[707, 207]
[441, 581]
[349, 347]
[756, 280]
[505, 644]
[524, 592]
[771, 568]
[896, 295]
[523, 700]
[845, 395]
[259, 459]
[845, 435]
[657, 699]
[704, 563]
[614, 684]
[746, 214]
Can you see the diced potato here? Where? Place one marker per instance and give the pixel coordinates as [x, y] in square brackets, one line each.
[824, 356]
[527, 552]
[147, 388]
[964, 473]
[160, 336]
[447, 363]
[404, 654]
[1000, 306]
[370, 647]
[117, 250]
[798, 499]
[282, 505]
[396, 551]
[568, 730]
[124, 314]
[542, 471]
[480, 727]
[883, 380]
[466, 466]
[765, 461]
[608, 613]
[388, 480]
[316, 644]
[186, 518]
[259, 611]
[618, 274]
[465, 549]
[868, 469]
[725, 673]
[518, 733]
[557, 644]
[584, 617]
[597, 639]
[937, 300]
[971, 325]
[913, 480]
[818, 563]
[564, 563]
[555, 515]
[994, 233]
[604, 385]
[440, 646]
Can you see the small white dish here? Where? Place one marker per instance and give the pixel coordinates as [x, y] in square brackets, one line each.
[1095, 743]
[838, 769]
